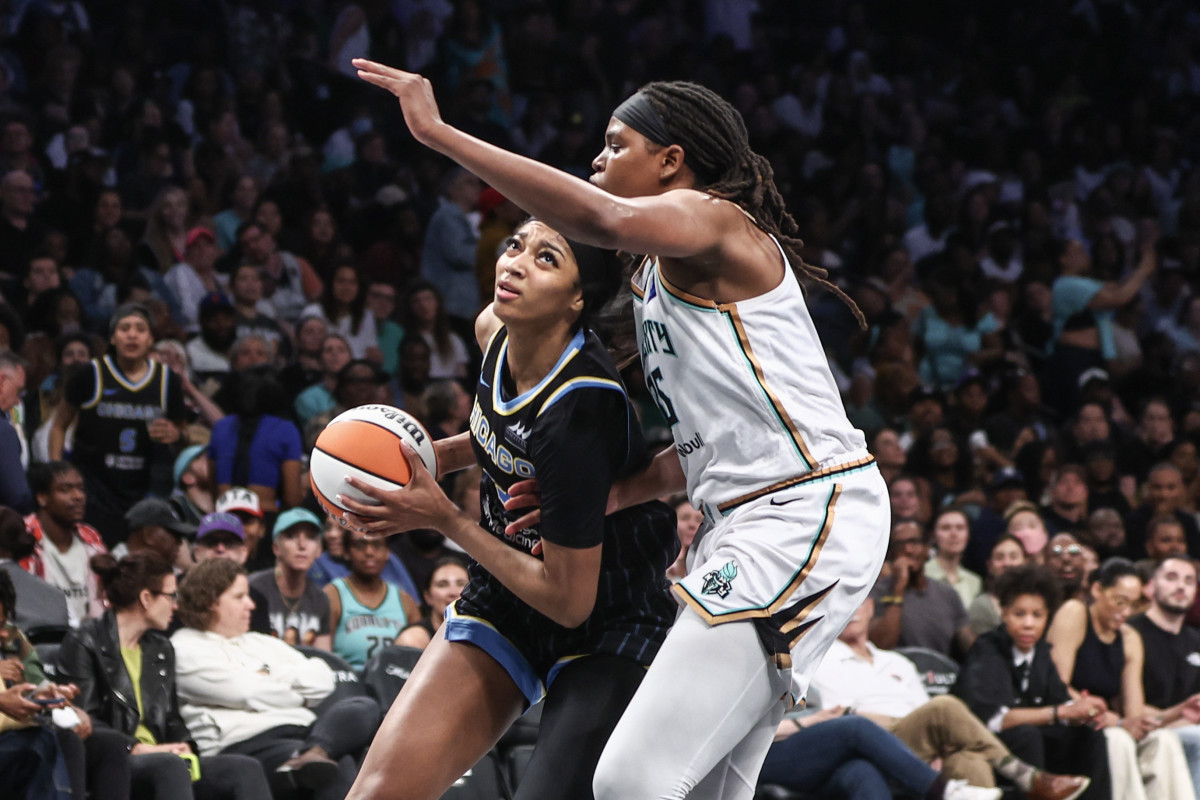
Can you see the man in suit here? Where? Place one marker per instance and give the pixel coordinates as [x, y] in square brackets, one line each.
[1009, 681]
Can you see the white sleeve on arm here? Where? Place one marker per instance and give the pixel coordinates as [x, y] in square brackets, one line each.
[994, 724]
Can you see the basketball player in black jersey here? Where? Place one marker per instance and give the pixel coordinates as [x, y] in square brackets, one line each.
[549, 404]
[129, 410]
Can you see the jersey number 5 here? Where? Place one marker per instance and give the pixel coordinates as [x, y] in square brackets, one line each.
[653, 383]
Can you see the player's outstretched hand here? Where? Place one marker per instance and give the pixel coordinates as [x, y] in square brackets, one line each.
[414, 92]
[420, 504]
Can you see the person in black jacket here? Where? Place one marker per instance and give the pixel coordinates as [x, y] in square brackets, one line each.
[125, 670]
[1009, 681]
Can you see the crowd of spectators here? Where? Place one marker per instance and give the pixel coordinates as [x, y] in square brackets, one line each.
[214, 238]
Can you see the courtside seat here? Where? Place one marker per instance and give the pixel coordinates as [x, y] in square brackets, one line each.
[387, 671]
[347, 681]
[938, 671]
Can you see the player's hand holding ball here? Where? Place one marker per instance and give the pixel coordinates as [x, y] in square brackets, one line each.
[420, 504]
[371, 470]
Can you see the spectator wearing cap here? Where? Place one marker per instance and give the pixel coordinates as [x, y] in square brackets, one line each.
[1007, 486]
[65, 544]
[246, 290]
[221, 535]
[193, 493]
[208, 353]
[247, 507]
[951, 532]
[344, 307]
[1096, 386]
[1163, 495]
[155, 525]
[255, 448]
[195, 277]
[128, 410]
[1083, 315]
[1068, 506]
[298, 609]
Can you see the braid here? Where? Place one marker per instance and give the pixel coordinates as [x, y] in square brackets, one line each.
[717, 148]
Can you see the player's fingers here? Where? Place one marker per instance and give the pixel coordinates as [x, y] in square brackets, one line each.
[522, 501]
[527, 486]
[527, 521]
[358, 508]
[414, 460]
[373, 492]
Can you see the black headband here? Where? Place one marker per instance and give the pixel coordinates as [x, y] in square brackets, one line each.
[637, 113]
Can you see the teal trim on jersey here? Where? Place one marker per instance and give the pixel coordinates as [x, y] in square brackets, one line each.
[522, 400]
[766, 396]
[484, 635]
[580, 383]
[787, 583]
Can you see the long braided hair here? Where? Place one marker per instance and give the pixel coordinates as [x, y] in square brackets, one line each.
[717, 148]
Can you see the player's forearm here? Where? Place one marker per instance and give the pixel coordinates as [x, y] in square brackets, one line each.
[569, 204]
[566, 602]
[454, 453]
[664, 476]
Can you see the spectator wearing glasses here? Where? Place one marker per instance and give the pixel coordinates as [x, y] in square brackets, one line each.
[366, 612]
[1098, 655]
[125, 670]
[1064, 556]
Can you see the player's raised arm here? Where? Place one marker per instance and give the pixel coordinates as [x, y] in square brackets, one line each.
[676, 222]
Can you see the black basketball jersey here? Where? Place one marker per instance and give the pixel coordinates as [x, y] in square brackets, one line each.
[112, 441]
[576, 433]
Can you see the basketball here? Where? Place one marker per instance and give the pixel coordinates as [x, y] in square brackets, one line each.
[364, 442]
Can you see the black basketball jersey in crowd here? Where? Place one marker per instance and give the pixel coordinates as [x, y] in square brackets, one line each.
[112, 441]
[576, 433]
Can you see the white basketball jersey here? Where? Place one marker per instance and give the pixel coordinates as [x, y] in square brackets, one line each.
[745, 386]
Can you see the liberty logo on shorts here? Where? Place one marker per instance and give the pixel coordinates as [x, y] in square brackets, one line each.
[718, 581]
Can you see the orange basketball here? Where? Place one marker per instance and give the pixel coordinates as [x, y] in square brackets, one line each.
[364, 442]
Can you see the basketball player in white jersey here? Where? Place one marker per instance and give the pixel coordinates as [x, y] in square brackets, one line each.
[796, 512]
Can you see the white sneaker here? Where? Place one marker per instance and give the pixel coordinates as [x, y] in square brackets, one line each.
[961, 790]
